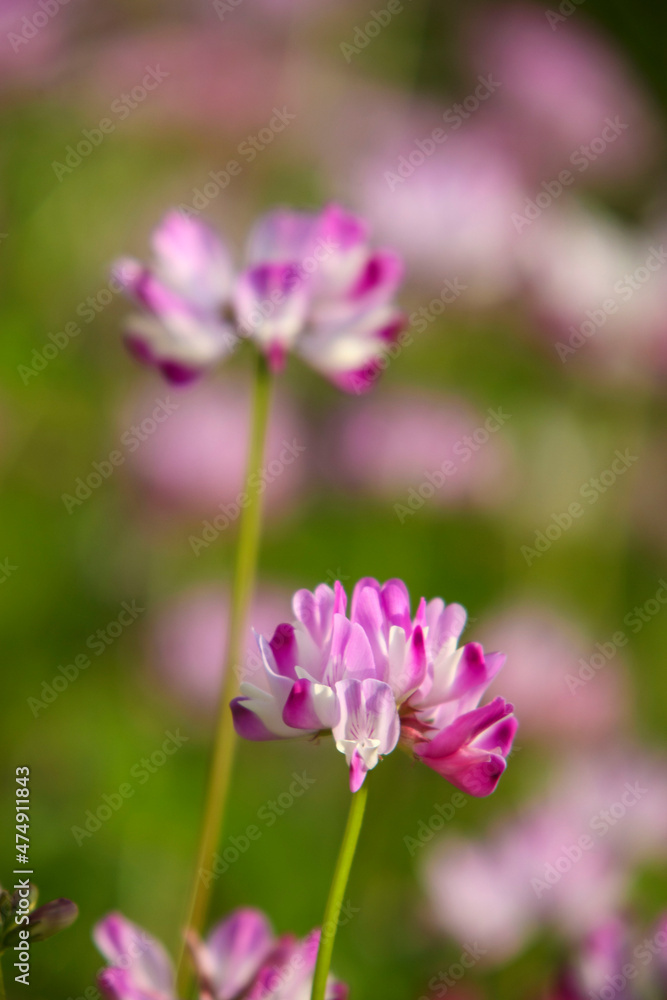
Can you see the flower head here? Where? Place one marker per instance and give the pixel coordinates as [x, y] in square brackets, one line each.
[240, 959]
[311, 284]
[379, 675]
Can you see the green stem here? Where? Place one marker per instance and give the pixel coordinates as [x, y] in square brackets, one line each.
[222, 759]
[2, 984]
[337, 892]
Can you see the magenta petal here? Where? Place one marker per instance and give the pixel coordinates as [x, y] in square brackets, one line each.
[142, 958]
[466, 728]
[351, 653]
[500, 736]
[380, 277]
[315, 610]
[248, 725]
[396, 604]
[284, 648]
[178, 374]
[303, 711]
[235, 950]
[358, 771]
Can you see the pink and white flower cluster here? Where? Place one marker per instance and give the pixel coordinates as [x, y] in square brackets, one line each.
[241, 959]
[376, 676]
[311, 283]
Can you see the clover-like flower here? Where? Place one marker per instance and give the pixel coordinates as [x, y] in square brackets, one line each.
[379, 676]
[241, 959]
[311, 284]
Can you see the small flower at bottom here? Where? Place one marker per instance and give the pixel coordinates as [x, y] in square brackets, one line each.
[239, 960]
[377, 676]
[311, 284]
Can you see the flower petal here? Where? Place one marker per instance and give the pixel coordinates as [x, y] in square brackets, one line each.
[234, 951]
[311, 706]
[192, 260]
[144, 960]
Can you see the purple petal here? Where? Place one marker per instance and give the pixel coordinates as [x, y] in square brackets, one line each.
[351, 654]
[282, 235]
[247, 724]
[315, 611]
[127, 946]
[396, 604]
[380, 278]
[311, 706]
[178, 374]
[235, 950]
[271, 302]
[284, 648]
[192, 260]
[467, 727]
[358, 771]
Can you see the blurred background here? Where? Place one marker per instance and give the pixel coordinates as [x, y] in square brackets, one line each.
[515, 154]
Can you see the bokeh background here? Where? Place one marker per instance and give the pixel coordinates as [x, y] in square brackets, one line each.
[532, 229]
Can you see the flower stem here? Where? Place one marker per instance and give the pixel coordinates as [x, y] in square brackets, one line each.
[337, 892]
[2, 984]
[222, 759]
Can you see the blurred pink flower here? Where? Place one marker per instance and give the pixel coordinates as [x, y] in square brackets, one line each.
[311, 284]
[546, 654]
[188, 640]
[566, 862]
[195, 461]
[411, 446]
[33, 43]
[559, 86]
[241, 958]
[450, 211]
[216, 74]
[597, 289]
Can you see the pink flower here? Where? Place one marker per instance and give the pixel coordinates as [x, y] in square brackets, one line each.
[403, 442]
[565, 99]
[378, 675]
[564, 863]
[194, 460]
[182, 294]
[548, 655]
[468, 190]
[240, 958]
[312, 284]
